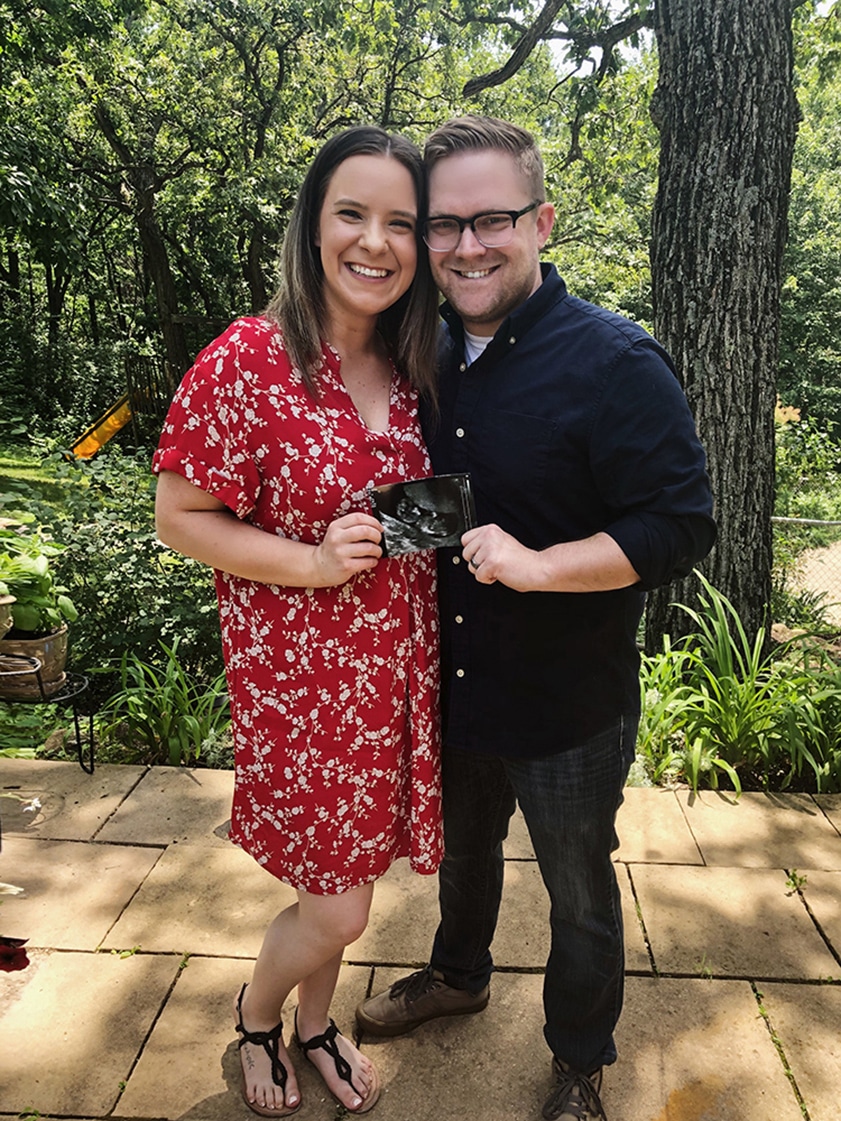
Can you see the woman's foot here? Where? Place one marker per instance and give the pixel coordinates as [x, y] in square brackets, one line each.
[349, 1075]
[269, 1086]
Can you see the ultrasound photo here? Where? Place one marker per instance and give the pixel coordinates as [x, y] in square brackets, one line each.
[423, 513]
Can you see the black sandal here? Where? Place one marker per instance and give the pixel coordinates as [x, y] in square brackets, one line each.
[327, 1042]
[268, 1040]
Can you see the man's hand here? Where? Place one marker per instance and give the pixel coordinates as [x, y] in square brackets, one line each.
[492, 554]
[594, 564]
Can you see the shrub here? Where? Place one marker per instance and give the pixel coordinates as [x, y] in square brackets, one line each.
[163, 715]
[131, 593]
[715, 711]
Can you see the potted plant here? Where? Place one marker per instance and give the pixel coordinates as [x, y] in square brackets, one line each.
[40, 611]
[6, 602]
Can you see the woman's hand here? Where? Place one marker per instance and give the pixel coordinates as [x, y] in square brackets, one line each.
[350, 545]
[201, 526]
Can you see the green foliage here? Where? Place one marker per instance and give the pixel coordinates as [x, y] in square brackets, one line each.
[808, 470]
[718, 712]
[164, 712]
[25, 730]
[810, 345]
[130, 591]
[191, 124]
[26, 572]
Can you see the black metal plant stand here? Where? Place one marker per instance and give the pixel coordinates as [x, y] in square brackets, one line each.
[72, 689]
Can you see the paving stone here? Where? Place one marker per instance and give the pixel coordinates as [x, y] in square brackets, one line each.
[652, 829]
[518, 845]
[636, 950]
[73, 892]
[202, 899]
[71, 1036]
[761, 830]
[691, 1049]
[172, 804]
[493, 1066]
[695, 1050]
[830, 805]
[189, 1068]
[728, 921]
[404, 917]
[523, 936]
[806, 1019]
[73, 804]
[822, 892]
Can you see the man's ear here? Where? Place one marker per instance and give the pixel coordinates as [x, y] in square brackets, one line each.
[545, 222]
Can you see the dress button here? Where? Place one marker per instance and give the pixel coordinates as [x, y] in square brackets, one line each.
[456, 560]
[459, 673]
[459, 618]
[459, 432]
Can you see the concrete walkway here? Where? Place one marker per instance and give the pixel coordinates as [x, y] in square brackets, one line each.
[142, 921]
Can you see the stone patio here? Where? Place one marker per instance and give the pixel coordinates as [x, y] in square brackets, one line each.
[142, 921]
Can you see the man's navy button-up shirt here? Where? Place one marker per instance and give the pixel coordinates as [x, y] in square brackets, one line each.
[571, 422]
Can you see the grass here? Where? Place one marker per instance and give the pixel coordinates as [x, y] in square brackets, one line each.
[20, 467]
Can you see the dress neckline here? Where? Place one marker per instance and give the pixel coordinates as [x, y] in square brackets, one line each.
[334, 365]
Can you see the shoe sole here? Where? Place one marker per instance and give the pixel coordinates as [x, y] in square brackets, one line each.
[388, 1030]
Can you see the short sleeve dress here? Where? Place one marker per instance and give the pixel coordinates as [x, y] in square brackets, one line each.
[334, 691]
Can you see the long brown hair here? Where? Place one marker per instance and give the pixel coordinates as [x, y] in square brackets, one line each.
[410, 326]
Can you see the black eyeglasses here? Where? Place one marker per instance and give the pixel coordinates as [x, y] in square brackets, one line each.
[491, 228]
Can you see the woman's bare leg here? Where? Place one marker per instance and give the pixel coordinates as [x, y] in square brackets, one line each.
[303, 944]
[315, 994]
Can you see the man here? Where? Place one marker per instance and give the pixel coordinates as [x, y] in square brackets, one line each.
[590, 487]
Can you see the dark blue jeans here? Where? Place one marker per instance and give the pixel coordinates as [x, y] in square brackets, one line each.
[569, 802]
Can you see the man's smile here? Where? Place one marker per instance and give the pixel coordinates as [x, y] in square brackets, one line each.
[475, 274]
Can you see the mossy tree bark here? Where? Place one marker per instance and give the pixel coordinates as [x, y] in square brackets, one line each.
[727, 115]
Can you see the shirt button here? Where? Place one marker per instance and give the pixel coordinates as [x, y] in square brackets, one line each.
[459, 432]
[459, 673]
[462, 367]
[459, 618]
[456, 560]
[512, 340]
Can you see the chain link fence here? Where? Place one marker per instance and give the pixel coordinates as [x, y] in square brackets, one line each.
[807, 564]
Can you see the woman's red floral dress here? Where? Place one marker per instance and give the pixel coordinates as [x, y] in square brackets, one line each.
[334, 691]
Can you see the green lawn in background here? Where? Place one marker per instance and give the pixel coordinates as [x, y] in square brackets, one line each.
[21, 466]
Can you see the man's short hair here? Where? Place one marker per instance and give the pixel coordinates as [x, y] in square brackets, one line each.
[483, 134]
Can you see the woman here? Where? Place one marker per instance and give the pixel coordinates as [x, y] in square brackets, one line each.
[331, 651]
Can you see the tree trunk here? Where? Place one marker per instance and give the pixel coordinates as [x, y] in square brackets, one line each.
[145, 183]
[253, 268]
[727, 115]
[156, 261]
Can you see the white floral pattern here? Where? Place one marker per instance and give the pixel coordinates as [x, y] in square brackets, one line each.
[334, 691]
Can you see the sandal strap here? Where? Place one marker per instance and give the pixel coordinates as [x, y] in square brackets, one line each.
[268, 1040]
[327, 1042]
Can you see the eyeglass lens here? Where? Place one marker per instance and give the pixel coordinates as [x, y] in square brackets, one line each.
[491, 230]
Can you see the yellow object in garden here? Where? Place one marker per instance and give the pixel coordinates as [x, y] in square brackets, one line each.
[101, 431]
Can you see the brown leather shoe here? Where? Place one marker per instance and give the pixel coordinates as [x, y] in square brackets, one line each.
[415, 999]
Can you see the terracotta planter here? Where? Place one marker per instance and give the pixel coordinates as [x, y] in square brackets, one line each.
[6, 613]
[51, 652]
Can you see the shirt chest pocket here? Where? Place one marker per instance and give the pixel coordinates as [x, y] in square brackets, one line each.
[512, 452]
